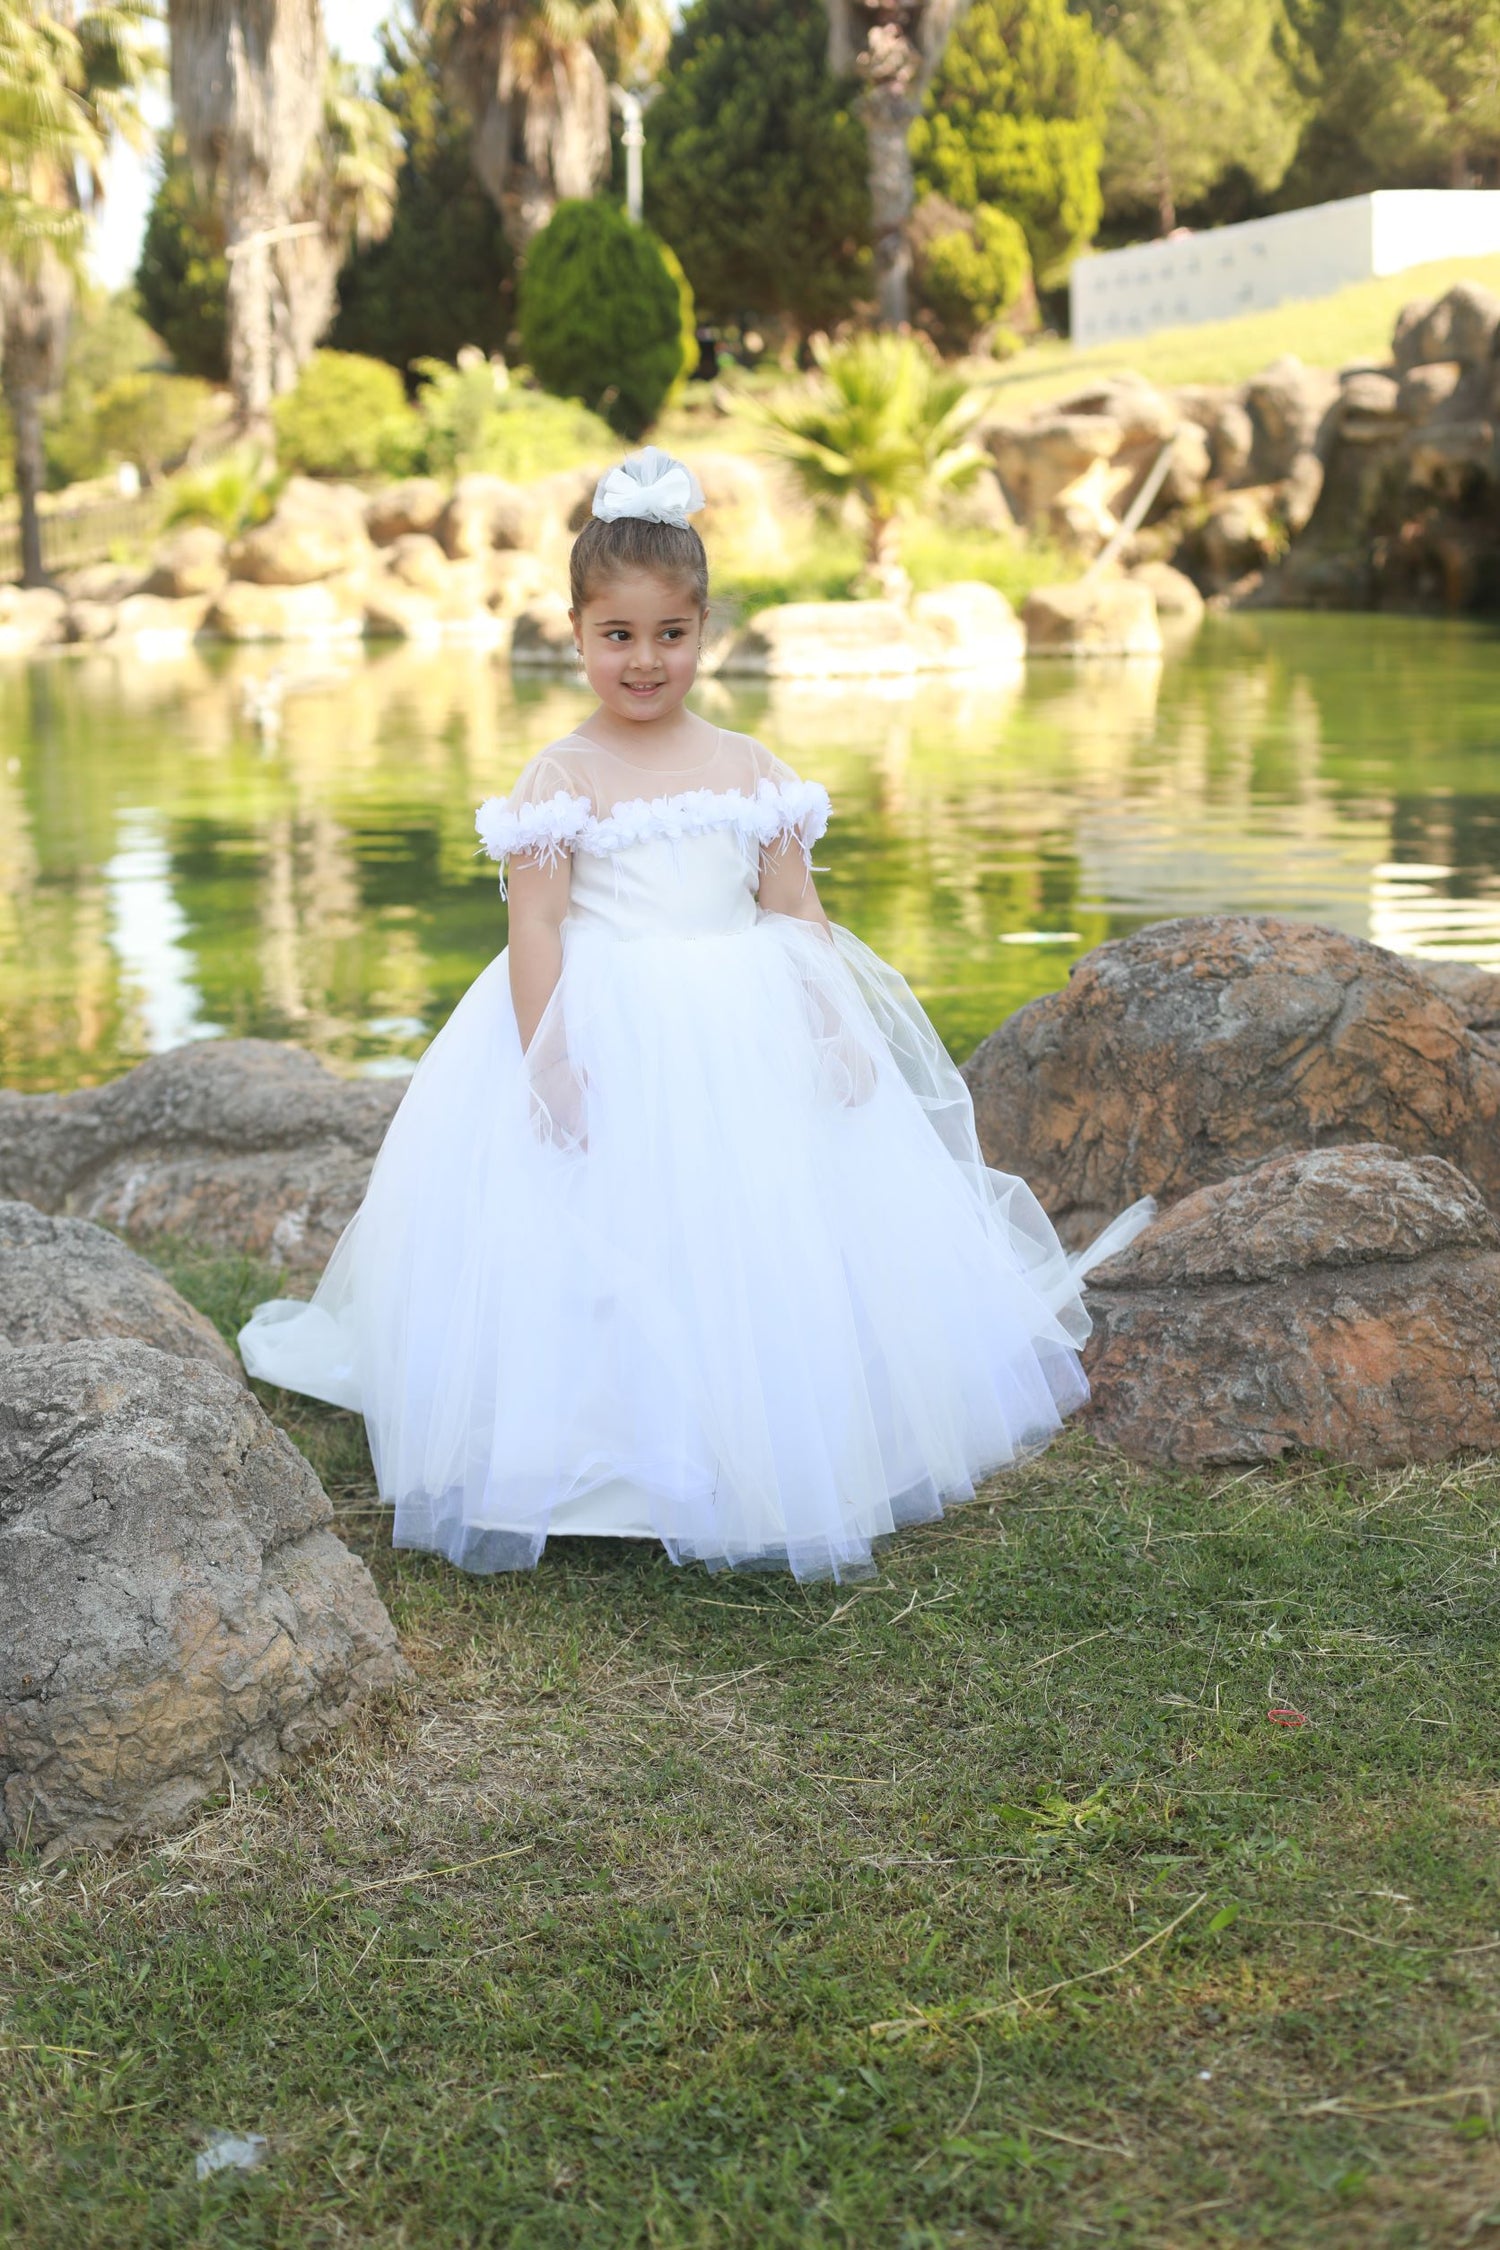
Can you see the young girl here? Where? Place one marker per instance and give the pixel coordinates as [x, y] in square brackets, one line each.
[682, 1231]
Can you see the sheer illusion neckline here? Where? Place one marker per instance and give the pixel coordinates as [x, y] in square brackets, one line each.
[669, 773]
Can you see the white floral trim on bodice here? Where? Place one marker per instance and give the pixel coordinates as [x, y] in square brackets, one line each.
[549, 830]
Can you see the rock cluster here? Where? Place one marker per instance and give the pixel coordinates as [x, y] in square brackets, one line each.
[963, 627]
[238, 1143]
[175, 1609]
[1187, 1053]
[1342, 1300]
[63, 1281]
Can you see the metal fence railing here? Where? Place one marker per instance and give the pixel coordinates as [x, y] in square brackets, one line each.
[91, 533]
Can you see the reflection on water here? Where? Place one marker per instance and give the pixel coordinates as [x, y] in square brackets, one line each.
[172, 867]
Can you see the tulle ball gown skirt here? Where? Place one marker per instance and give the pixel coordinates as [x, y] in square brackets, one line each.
[717, 1262]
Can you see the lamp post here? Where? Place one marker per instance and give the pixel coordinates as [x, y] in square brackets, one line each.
[633, 102]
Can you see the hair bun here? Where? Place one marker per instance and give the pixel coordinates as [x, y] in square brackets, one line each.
[651, 486]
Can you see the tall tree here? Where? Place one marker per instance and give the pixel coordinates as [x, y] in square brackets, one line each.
[1014, 120]
[756, 171]
[894, 48]
[68, 82]
[444, 276]
[534, 75]
[1200, 87]
[248, 86]
[1415, 86]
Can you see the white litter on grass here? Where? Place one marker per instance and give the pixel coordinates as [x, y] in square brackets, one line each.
[231, 2152]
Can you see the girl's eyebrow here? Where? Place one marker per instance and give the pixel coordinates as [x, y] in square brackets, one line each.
[607, 623]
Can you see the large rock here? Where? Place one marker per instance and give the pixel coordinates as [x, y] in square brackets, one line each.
[31, 617]
[317, 531]
[63, 1281]
[1038, 461]
[1238, 535]
[1196, 1048]
[1369, 408]
[415, 504]
[1344, 1301]
[237, 1143]
[1454, 462]
[1472, 993]
[483, 512]
[968, 626]
[514, 580]
[1460, 325]
[332, 609]
[175, 1611]
[1286, 405]
[542, 636]
[1173, 592]
[824, 640]
[1429, 392]
[1092, 617]
[158, 624]
[192, 560]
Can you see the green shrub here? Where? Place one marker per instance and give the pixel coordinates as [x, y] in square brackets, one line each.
[151, 419]
[478, 415]
[972, 268]
[606, 315]
[235, 490]
[347, 417]
[182, 280]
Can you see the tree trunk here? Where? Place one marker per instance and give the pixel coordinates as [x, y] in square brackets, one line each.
[883, 565]
[1166, 209]
[251, 322]
[887, 123]
[31, 476]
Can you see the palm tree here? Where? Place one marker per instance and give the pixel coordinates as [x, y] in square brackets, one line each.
[347, 196]
[535, 77]
[894, 48]
[885, 425]
[68, 83]
[248, 86]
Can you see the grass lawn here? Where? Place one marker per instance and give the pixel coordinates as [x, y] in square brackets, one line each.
[1353, 324]
[980, 1904]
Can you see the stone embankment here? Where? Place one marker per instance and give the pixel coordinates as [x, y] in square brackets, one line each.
[1376, 485]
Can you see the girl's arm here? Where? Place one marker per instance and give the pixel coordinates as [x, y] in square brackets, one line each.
[786, 884]
[539, 898]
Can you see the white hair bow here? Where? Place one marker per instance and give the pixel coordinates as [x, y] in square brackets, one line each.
[651, 485]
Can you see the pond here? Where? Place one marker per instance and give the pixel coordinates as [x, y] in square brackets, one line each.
[174, 867]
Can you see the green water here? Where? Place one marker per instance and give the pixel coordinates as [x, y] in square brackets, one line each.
[170, 870]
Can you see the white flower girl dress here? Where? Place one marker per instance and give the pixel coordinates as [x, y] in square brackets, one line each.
[717, 1261]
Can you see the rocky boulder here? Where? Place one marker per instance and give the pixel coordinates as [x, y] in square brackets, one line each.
[824, 640]
[31, 617]
[514, 580]
[1196, 1048]
[316, 532]
[1238, 535]
[238, 1143]
[483, 512]
[63, 1281]
[1459, 326]
[175, 1610]
[193, 560]
[1342, 1300]
[415, 504]
[1472, 993]
[1433, 390]
[1093, 617]
[1177, 599]
[542, 636]
[1454, 462]
[968, 626]
[332, 609]
[1286, 406]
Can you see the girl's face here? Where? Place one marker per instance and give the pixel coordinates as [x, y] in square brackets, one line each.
[639, 636]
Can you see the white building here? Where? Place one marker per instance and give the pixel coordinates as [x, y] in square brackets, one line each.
[1266, 262]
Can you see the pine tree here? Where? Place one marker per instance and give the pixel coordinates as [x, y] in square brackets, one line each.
[755, 166]
[1015, 120]
[1414, 86]
[1201, 88]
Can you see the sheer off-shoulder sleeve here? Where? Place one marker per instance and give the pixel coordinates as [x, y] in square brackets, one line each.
[543, 817]
[794, 812]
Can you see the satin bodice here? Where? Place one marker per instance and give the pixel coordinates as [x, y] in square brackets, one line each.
[683, 886]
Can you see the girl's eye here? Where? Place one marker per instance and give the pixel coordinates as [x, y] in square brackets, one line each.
[672, 633]
[617, 633]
